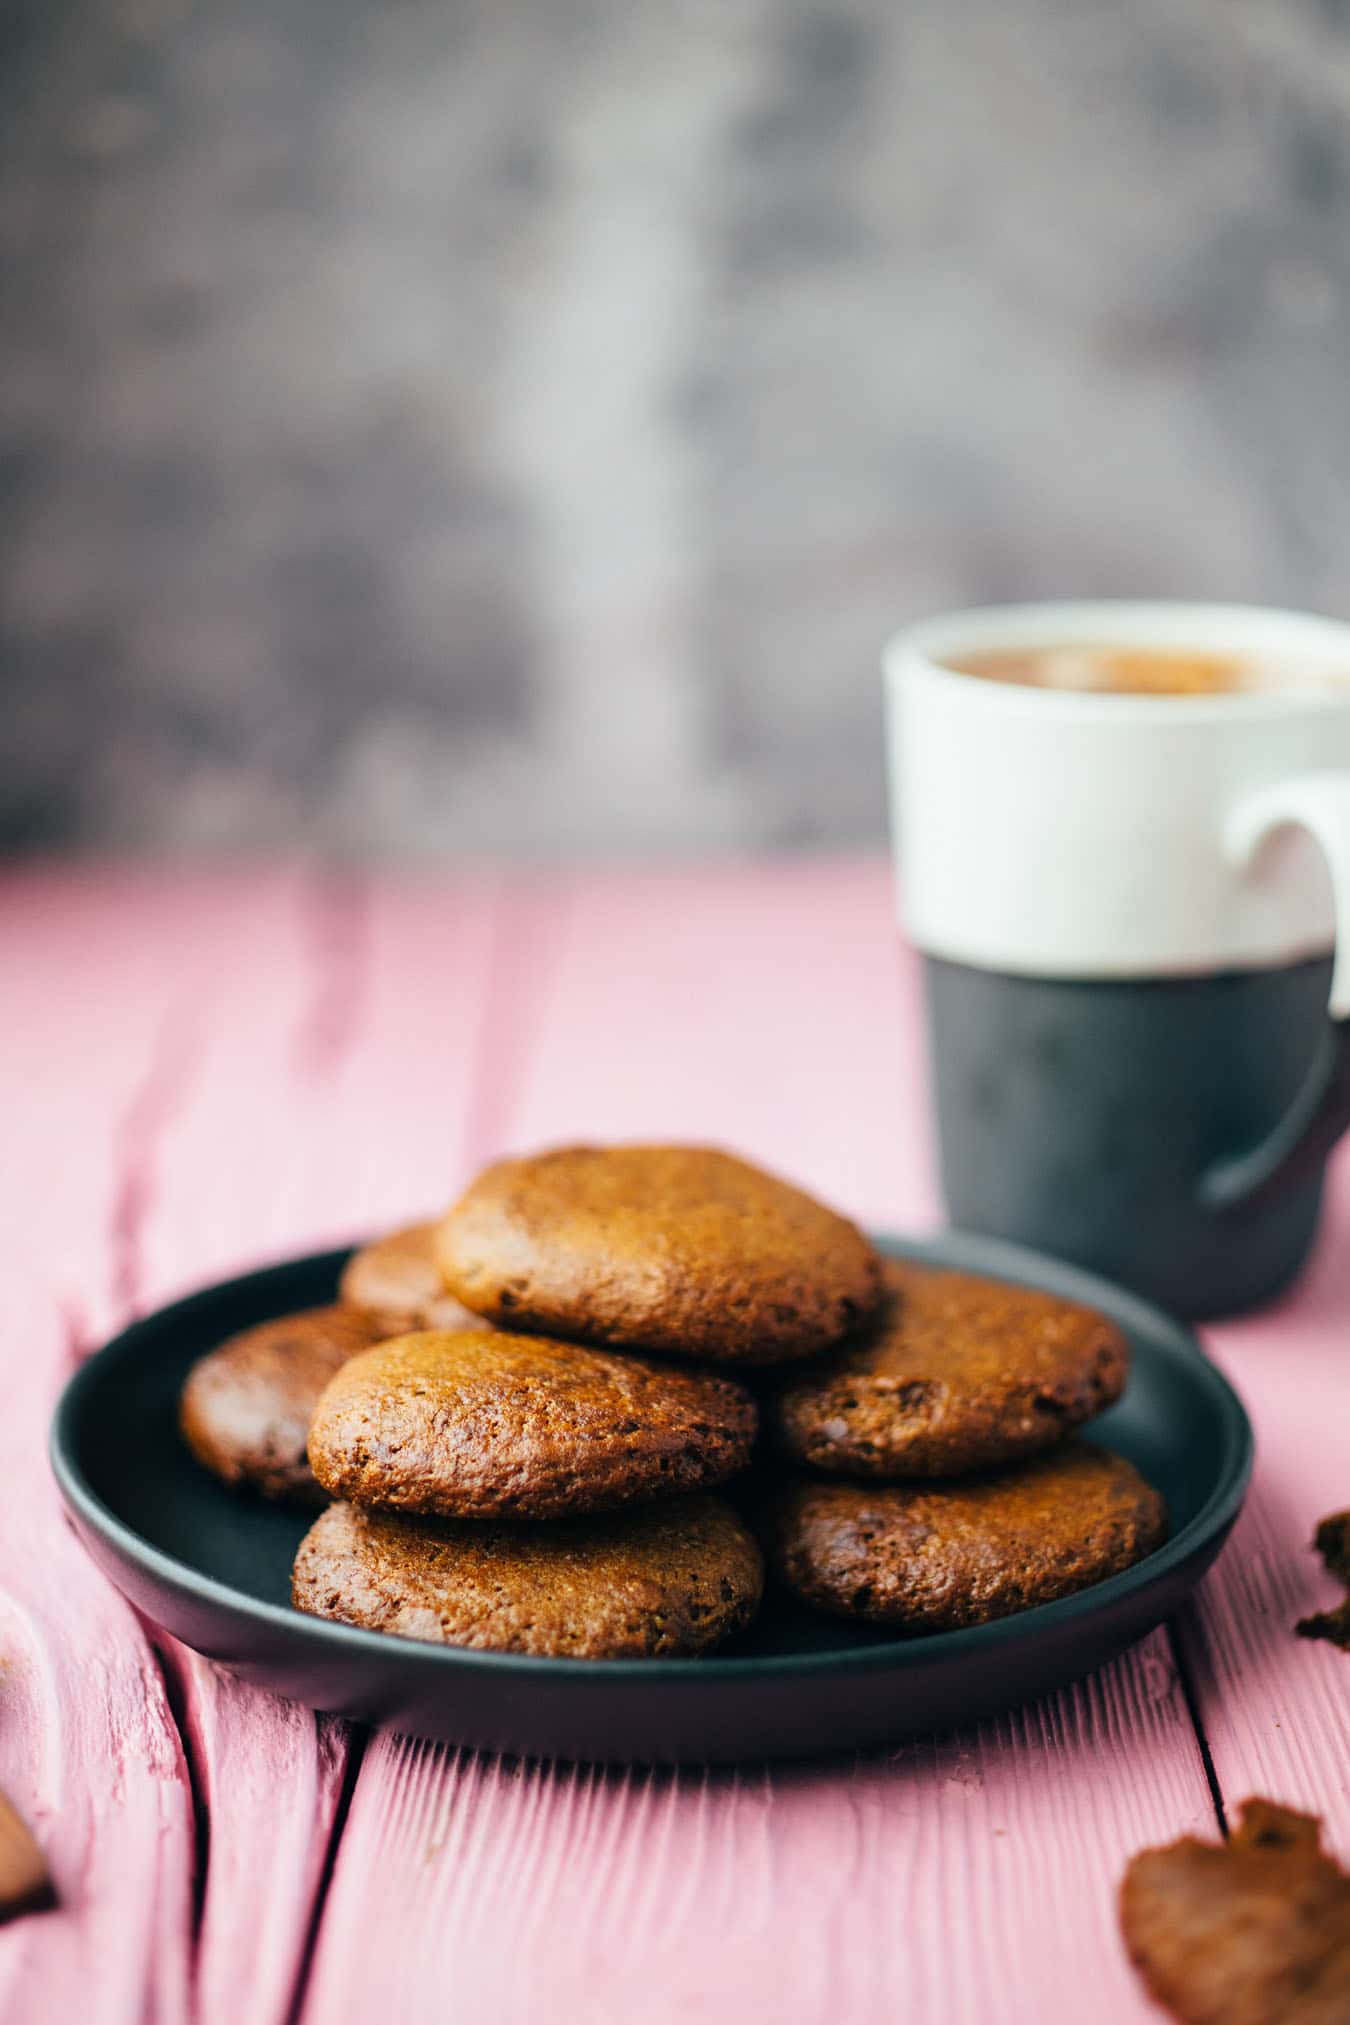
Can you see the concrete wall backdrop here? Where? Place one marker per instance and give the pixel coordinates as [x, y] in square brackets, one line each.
[513, 425]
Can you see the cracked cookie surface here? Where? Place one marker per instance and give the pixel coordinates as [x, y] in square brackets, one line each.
[471, 1424]
[683, 1250]
[938, 1557]
[956, 1373]
[667, 1580]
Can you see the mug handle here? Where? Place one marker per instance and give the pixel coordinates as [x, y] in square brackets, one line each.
[1318, 803]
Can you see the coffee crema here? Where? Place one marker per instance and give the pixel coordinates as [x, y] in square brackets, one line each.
[1122, 671]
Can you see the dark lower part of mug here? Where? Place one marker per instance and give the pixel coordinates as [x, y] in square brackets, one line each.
[1082, 1117]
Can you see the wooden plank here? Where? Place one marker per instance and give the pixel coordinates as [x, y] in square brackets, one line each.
[89, 1747]
[333, 1078]
[200, 1073]
[506, 1891]
[335, 1075]
[268, 1775]
[89, 1751]
[968, 1880]
[98, 1027]
[1274, 1706]
[122, 989]
[222, 1181]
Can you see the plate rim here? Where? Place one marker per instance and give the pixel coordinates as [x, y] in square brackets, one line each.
[964, 1250]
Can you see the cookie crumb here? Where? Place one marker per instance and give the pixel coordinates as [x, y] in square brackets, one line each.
[1252, 1931]
[25, 1884]
[1332, 1542]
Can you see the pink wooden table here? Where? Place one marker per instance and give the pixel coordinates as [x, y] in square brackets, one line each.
[202, 1072]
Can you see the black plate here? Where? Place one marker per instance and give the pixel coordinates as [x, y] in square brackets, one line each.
[213, 1568]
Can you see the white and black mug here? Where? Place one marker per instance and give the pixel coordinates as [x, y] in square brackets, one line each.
[1134, 911]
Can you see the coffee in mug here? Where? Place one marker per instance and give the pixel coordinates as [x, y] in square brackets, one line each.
[1125, 857]
[1121, 671]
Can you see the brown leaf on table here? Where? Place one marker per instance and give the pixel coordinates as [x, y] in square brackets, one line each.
[1332, 1541]
[1252, 1931]
[24, 1882]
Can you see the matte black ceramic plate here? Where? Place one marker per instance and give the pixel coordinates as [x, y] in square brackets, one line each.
[213, 1568]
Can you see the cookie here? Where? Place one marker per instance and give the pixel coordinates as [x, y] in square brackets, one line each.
[667, 1579]
[680, 1249]
[937, 1557]
[479, 1425]
[956, 1374]
[245, 1409]
[1252, 1931]
[397, 1282]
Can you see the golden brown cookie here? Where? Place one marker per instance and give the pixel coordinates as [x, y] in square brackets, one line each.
[1252, 1931]
[245, 1409]
[940, 1556]
[955, 1374]
[663, 1580]
[485, 1424]
[671, 1248]
[397, 1282]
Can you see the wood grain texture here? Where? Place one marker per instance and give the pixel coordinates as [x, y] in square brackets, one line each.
[186, 1092]
[89, 1750]
[335, 1063]
[267, 1776]
[129, 973]
[305, 1122]
[967, 1879]
[221, 1180]
[771, 1010]
[89, 1747]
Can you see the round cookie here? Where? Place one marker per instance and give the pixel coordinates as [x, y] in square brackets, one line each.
[955, 1374]
[667, 1579]
[397, 1282]
[943, 1556]
[246, 1407]
[487, 1425]
[681, 1249]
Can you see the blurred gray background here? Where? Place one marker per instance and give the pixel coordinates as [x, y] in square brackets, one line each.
[514, 427]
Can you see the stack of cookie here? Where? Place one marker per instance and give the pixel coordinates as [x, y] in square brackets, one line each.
[246, 1409]
[533, 1470]
[523, 1414]
[941, 1485]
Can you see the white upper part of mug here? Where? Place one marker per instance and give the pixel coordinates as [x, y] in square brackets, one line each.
[1083, 833]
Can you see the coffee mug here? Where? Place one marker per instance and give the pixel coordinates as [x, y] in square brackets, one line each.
[1134, 913]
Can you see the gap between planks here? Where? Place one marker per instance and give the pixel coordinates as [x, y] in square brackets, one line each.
[357, 1740]
[1177, 1646]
